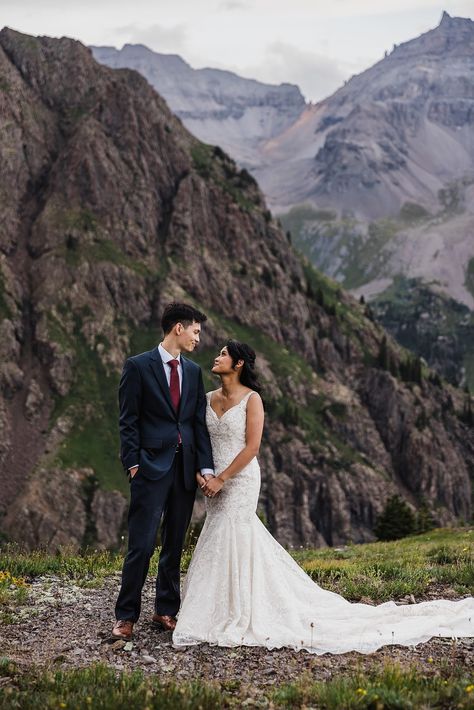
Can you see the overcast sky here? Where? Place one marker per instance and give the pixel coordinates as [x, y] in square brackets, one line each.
[313, 43]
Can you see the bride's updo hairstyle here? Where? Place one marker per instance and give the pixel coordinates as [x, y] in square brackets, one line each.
[241, 351]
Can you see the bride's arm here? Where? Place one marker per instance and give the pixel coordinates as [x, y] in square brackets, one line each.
[253, 438]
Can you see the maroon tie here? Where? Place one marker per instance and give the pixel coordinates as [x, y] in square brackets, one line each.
[174, 383]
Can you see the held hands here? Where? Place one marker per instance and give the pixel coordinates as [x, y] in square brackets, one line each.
[210, 485]
[214, 484]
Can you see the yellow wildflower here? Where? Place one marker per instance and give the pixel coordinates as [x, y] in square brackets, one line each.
[361, 691]
[469, 688]
[8, 578]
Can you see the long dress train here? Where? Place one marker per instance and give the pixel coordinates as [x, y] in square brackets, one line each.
[243, 588]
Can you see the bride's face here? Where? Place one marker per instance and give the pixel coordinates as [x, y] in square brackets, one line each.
[223, 363]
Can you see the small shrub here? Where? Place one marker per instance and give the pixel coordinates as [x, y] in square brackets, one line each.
[435, 379]
[396, 521]
[467, 416]
[267, 277]
[369, 313]
[290, 415]
[424, 519]
[411, 369]
[246, 180]
[413, 212]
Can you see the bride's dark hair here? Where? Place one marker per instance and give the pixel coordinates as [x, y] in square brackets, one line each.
[241, 351]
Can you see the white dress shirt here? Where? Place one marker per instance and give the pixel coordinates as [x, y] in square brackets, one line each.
[165, 358]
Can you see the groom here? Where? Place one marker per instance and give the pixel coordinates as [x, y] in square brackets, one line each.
[164, 442]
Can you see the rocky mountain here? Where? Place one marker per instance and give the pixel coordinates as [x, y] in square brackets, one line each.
[375, 182]
[379, 178]
[217, 106]
[399, 132]
[419, 263]
[110, 209]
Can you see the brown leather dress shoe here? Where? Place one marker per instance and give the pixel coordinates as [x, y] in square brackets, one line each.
[167, 623]
[123, 629]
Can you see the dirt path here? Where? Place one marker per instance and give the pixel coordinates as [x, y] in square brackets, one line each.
[68, 626]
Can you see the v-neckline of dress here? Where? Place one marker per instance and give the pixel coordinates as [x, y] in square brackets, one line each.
[227, 410]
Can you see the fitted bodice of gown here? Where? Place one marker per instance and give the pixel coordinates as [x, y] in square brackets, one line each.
[239, 496]
[243, 588]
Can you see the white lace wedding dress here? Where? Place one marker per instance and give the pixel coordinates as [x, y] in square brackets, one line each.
[243, 588]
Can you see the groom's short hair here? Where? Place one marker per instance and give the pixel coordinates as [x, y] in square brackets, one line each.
[180, 313]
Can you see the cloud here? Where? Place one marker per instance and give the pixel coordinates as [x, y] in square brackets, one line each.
[317, 75]
[161, 39]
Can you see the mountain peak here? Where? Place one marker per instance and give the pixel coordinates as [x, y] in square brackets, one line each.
[448, 22]
[453, 36]
[217, 105]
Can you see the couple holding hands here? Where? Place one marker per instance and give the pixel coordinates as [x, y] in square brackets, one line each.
[242, 587]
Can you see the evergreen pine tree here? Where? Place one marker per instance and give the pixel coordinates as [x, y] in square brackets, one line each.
[382, 357]
[424, 519]
[396, 521]
[467, 415]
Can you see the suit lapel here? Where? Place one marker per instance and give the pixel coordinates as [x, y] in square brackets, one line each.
[157, 366]
[185, 384]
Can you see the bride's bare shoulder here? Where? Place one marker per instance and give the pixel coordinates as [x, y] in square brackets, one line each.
[252, 395]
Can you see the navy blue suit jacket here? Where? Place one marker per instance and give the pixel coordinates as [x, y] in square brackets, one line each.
[149, 424]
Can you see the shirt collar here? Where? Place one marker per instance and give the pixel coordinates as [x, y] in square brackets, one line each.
[166, 357]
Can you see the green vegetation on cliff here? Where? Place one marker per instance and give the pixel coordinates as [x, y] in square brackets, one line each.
[350, 251]
[92, 405]
[4, 310]
[430, 324]
[213, 164]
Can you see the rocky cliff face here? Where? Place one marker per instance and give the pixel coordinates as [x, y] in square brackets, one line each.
[417, 265]
[217, 106]
[398, 132]
[111, 209]
[439, 328]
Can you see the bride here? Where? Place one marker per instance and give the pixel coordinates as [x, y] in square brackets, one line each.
[242, 587]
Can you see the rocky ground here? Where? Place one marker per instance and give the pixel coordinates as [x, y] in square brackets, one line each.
[67, 626]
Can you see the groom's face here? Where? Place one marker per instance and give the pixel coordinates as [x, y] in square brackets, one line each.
[188, 336]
